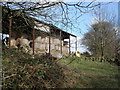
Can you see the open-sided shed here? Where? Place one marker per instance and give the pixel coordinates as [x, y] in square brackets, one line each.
[32, 28]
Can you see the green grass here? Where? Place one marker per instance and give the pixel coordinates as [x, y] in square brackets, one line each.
[20, 70]
[92, 74]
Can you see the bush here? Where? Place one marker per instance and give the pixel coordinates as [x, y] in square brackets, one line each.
[21, 71]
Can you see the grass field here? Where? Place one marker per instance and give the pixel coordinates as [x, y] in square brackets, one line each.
[92, 74]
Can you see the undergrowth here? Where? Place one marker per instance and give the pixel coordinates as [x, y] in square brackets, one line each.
[21, 71]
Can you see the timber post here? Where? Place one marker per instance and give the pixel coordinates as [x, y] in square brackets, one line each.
[60, 42]
[10, 30]
[49, 43]
[69, 46]
[76, 44]
[33, 37]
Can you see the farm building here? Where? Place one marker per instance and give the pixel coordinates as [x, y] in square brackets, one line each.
[53, 40]
[40, 36]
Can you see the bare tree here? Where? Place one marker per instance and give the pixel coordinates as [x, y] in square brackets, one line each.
[117, 46]
[57, 13]
[101, 38]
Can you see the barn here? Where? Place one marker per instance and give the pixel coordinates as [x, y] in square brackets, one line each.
[44, 37]
[55, 39]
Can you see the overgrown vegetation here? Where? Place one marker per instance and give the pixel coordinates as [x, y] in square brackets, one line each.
[21, 71]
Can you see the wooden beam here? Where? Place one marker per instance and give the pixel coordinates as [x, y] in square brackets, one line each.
[61, 42]
[33, 37]
[69, 45]
[49, 43]
[10, 30]
[76, 44]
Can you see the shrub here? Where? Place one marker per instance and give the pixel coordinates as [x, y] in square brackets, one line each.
[21, 71]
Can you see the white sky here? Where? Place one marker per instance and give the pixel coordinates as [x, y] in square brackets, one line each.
[81, 48]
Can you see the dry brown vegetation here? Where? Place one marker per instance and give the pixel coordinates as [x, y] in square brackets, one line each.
[21, 71]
